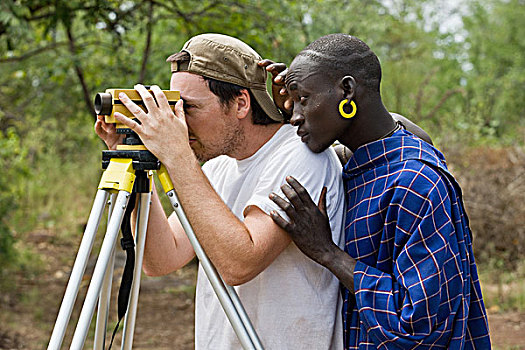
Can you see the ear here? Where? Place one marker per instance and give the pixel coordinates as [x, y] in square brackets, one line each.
[243, 104]
[348, 84]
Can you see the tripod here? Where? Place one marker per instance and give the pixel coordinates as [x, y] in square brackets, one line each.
[129, 172]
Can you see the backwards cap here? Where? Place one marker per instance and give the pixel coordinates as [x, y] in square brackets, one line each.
[228, 59]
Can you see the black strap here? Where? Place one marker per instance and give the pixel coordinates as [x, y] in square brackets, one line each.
[128, 244]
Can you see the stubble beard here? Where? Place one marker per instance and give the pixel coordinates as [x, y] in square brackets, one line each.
[233, 138]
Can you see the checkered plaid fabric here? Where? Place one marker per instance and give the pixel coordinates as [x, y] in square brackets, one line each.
[416, 283]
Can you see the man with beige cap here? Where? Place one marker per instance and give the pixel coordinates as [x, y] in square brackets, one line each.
[227, 119]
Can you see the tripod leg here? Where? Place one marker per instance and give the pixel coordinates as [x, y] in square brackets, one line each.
[105, 295]
[244, 330]
[140, 239]
[245, 319]
[78, 271]
[93, 292]
[227, 296]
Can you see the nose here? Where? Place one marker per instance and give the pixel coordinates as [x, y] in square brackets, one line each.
[297, 117]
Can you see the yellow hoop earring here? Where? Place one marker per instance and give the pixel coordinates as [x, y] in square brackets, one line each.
[342, 111]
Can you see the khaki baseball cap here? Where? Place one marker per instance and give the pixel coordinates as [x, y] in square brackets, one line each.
[228, 59]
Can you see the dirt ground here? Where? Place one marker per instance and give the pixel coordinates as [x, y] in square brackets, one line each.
[165, 313]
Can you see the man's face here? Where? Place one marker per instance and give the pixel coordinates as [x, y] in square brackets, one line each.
[214, 129]
[315, 110]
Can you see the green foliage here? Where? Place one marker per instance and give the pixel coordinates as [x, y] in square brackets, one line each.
[503, 290]
[12, 155]
[496, 64]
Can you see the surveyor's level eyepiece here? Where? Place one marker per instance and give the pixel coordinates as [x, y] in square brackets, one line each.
[107, 103]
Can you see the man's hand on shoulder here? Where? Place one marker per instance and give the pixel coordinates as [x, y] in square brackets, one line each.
[309, 226]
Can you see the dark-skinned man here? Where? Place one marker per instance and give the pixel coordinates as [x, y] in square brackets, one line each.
[408, 266]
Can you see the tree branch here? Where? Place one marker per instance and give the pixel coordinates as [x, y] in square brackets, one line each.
[33, 52]
[80, 73]
[443, 99]
[419, 97]
[145, 54]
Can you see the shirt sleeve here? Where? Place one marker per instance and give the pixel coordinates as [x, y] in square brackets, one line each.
[403, 307]
[313, 171]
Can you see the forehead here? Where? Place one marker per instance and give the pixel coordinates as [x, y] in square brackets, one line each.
[181, 80]
[191, 86]
[305, 73]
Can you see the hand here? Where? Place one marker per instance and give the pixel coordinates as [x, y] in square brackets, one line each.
[163, 133]
[309, 225]
[108, 133]
[281, 98]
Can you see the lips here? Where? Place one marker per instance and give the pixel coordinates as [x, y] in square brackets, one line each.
[303, 135]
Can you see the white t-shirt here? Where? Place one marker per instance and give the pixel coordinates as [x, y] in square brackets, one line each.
[294, 303]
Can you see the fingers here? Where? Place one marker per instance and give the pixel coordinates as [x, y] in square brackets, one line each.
[278, 219]
[162, 100]
[322, 201]
[283, 204]
[300, 191]
[130, 123]
[147, 98]
[131, 106]
[280, 78]
[292, 196]
[278, 70]
[288, 105]
[179, 110]
[271, 66]
[99, 128]
[265, 62]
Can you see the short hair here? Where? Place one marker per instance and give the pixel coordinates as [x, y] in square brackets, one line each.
[342, 54]
[226, 92]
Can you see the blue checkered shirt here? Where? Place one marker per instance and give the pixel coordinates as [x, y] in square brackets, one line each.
[416, 283]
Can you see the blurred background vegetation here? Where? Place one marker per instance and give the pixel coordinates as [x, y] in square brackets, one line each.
[458, 70]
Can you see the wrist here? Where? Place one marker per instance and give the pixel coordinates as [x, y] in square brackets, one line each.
[178, 156]
[329, 256]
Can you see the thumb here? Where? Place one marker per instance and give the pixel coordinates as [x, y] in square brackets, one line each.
[322, 201]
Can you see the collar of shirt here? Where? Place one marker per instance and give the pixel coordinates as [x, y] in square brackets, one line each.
[399, 147]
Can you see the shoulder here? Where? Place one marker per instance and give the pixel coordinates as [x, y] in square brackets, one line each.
[422, 180]
[220, 162]
[290, 151]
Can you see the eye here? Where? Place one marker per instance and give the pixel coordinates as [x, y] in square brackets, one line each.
[187, 105]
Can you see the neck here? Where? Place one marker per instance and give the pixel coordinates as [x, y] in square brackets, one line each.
[372, 123]
[255, 136]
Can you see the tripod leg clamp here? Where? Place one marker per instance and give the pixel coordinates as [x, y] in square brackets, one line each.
[165, 179]
[119, 176]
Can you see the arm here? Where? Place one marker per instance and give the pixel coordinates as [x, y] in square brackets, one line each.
[413, 127]
[412, 297]
[239, 250]
[310, 230]
[167, 247]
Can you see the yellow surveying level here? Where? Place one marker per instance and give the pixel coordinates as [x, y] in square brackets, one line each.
[107, 103]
